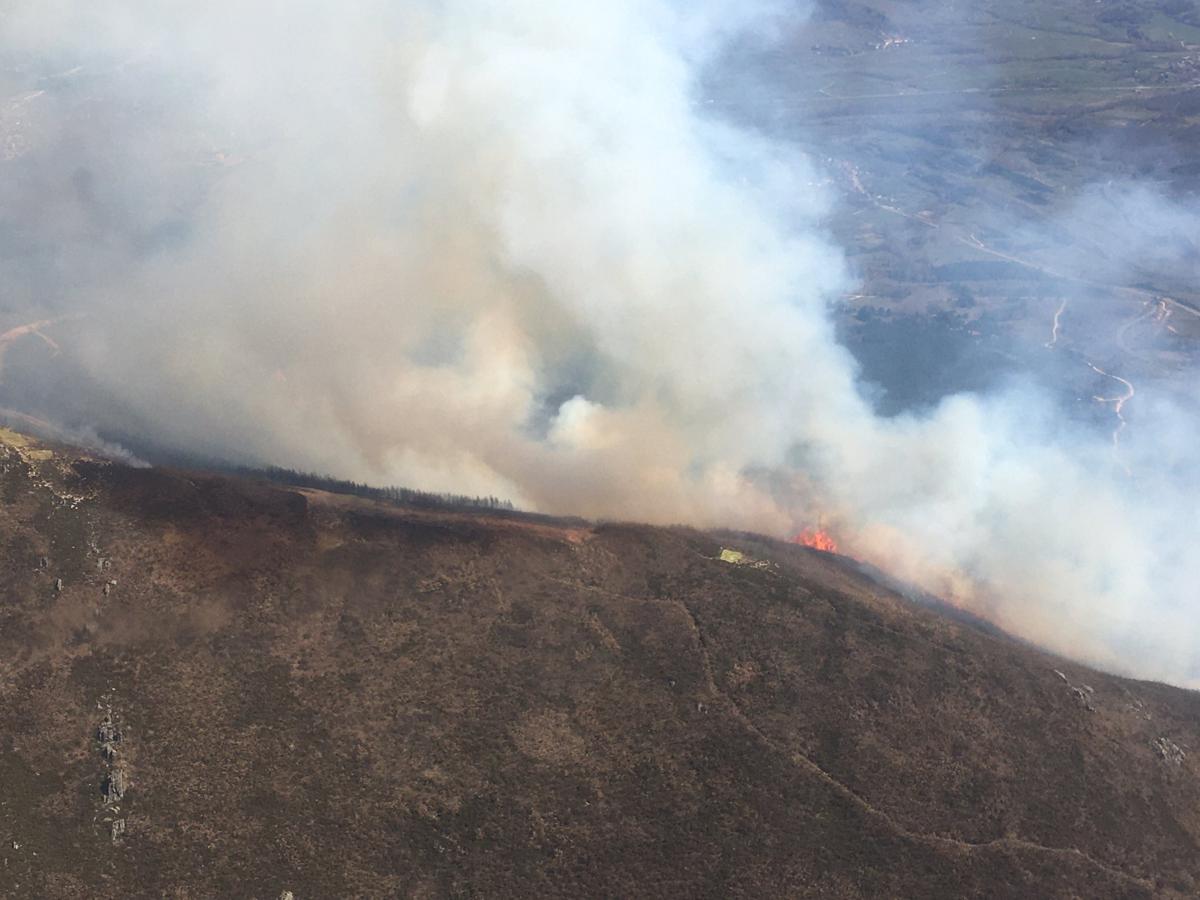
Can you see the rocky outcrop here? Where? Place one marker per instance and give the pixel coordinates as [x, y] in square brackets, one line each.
[115, 784]
[115, 780]
[1169, 752]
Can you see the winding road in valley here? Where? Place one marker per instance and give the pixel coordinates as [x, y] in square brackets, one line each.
[1153, 306]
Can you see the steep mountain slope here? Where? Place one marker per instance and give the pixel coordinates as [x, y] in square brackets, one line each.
[214, 687]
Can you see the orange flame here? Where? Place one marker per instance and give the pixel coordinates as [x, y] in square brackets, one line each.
[817, 539]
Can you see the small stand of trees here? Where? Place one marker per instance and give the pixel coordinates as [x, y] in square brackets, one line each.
[398, 495]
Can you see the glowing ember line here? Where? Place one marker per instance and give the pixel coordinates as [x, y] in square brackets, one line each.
[35, 328]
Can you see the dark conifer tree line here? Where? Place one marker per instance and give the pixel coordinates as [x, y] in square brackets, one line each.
[400, 496]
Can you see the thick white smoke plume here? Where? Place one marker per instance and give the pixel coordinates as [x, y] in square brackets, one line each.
[497, 248]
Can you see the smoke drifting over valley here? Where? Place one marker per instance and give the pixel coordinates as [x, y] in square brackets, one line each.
[507, 248]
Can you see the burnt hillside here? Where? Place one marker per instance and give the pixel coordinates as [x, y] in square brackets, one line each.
[215, 687]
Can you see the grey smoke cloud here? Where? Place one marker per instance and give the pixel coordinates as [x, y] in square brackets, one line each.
[499, 248]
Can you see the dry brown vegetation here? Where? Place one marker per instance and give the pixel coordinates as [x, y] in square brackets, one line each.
[338, 698]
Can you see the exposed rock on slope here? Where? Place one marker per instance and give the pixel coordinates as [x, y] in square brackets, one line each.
[349, 700]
